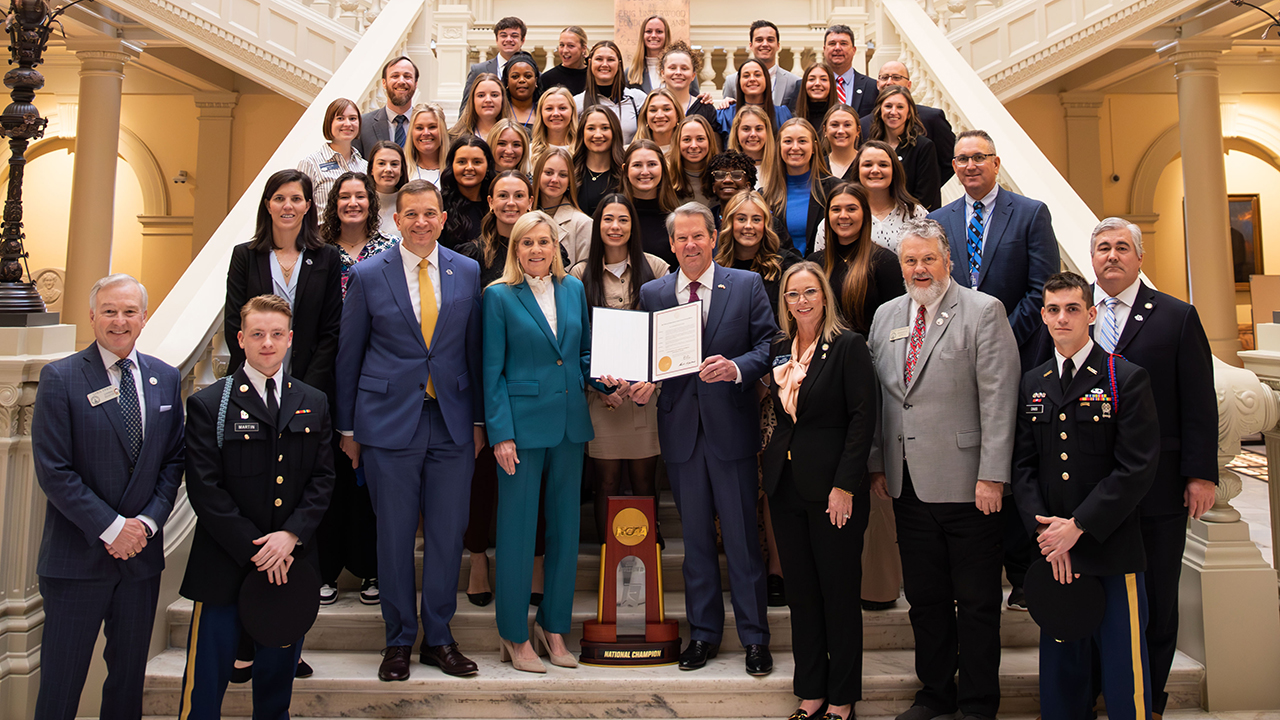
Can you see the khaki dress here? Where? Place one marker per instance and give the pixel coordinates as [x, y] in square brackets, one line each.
[629, 432]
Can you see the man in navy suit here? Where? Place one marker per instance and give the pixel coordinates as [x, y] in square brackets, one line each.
[107, 443]
[936, 126]
[1003, 245]
[390, 122]
[411, 409]
[709, 428]
[852, 87]
[1163, 335]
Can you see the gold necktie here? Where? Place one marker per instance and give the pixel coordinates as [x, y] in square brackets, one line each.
[427, 293]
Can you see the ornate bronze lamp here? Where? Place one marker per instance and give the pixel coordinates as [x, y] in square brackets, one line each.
[29, 24]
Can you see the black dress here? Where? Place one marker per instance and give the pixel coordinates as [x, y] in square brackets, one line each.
[593, 187]
[652, 220]
[886, 282]
[474, 211]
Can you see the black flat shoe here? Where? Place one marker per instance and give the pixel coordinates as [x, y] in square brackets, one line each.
[480, 599]
[535, 599]
[241, 675]
[697, 654]
[776, 591]
[303, 670]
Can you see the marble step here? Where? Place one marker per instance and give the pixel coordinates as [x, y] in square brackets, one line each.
[345, 684]
[349, 625]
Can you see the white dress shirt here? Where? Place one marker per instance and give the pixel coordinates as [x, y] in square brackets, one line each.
[705, 281]
[259, 382]
[109, 359]
[544, 291]
[988, 203]
[1127, 298]
[1077, 360]
[411, 263]
[324, 167]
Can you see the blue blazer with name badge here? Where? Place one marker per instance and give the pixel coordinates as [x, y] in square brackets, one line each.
[83, 464]
[535, 380]
[384, 363]
[739, 326]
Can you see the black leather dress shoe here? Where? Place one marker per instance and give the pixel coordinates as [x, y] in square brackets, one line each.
[697, 654]
[776, 591]
[241, 675]
[759, 660]
[449, 659]
[395, 663]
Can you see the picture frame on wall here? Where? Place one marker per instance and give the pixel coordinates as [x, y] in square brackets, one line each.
[1246, 238]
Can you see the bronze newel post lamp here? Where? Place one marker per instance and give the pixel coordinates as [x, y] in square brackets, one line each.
[29, 24]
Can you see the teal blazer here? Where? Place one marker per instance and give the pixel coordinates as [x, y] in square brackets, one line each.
[535, 380]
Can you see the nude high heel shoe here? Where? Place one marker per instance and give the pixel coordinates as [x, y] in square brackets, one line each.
[509, 655]
[540, 637]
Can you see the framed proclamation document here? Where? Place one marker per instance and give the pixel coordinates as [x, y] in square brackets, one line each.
[638, 346]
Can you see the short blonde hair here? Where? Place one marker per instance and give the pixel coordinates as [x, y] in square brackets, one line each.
[512, 273]
[831, 324]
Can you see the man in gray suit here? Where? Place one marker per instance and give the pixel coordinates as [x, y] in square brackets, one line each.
[106, 438]
[399, 83]
[509, 33]
[947, 364]
[764, 47]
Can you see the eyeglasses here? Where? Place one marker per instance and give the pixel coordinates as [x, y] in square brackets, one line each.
[977, 158]
[792, 297]
[895, 79]
[734, 175]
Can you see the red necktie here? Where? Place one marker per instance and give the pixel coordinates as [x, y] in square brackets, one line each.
[913, 352]
[693, 292]
[840, 91]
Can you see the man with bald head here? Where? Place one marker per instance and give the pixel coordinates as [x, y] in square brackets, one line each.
[936, 126]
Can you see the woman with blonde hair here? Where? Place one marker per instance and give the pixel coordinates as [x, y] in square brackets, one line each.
[556, 122]
[555, 192]
[696, 143]
[659, 116]
[748, 242]
[484, 106]
[752, 136]
[536, 360]
[428, 143]
[645, 71]
[840, 133]
[509, 143]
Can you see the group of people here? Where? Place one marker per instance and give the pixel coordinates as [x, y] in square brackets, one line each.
[410, 335]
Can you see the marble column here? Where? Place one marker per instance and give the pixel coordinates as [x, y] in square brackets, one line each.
[93, 180]
[213, 165]
[1204, 179]
[1084, 146]
[166, 243]
[418, 48]
[452, 23]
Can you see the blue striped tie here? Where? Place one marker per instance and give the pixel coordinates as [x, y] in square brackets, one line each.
[1110, 334]
[399, 121]
[974, 233]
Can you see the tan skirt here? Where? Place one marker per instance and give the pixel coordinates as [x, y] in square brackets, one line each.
[629, 432]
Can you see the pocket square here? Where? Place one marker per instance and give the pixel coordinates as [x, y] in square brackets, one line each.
[166, 408]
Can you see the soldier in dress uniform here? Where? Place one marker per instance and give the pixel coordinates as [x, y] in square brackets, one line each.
[1086, 450]
[259, 485]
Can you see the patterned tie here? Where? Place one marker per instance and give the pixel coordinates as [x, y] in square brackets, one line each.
[1110, 334]
[400, 120]
[427, 293]
[974, 233]
[840, 91]
[273, 405]
[1068, 372]
[129, 406]
[693, 294]
[913, 352]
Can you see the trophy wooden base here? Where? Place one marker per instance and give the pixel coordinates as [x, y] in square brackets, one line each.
[603, 647]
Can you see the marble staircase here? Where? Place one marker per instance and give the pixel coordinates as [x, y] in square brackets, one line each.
[343, 648]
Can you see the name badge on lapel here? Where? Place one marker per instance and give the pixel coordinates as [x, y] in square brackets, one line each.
[781, 360]
[899, 333]
[331, 166]
[247, 427]
[98, 397]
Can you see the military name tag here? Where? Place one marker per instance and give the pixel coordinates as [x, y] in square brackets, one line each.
[1035, 409]
[247, 427]
[899, 333]
[98, 397]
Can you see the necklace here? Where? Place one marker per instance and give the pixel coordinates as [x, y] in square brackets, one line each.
[595, 176]
[287, 271]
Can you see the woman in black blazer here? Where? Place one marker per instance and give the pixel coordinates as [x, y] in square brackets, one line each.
[287, 257]
[814, 471]
[896, 122]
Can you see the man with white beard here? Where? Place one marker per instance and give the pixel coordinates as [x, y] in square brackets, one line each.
[948, 367]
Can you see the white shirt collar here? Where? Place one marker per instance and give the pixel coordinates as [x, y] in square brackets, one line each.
[1077, 360]
[259, 380]
[1127, 296]
[109, 359]
[986, 201]
[411, 260]
[539, 284]
[705, 280]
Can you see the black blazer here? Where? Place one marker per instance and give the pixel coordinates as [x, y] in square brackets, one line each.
[1164, 336]
[271, 474]
[920, 163]
[1110, 444]
[829, 441]
[938, 129]
[317, 309]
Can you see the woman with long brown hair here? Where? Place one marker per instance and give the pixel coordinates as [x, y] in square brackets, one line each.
[753, 136]
[597, 160]
[647, 184]
[606, 86]
[485, 105]
[556, 193]
[645, 71]
[817, 93]
[897, 123]
[696, 143]
[863, 275]
[658, 119]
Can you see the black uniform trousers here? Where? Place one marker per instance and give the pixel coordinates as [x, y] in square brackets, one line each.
[211, 653]
[348, 534]
[74, 611]
[951, 561]
[823, 566]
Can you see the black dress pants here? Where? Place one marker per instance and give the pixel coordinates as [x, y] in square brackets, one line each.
[348, 533]
[951, 560]
[823, 567]
[1164, 537]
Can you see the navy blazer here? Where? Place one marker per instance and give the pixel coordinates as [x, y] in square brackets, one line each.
[862, 97]
[739, 326]
[1163, 335]
[1019, 255]
[384, 362]
[84, 466]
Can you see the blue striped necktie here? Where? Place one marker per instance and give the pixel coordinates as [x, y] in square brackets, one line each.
[974, 233]
[399, 121]
[1110, 334]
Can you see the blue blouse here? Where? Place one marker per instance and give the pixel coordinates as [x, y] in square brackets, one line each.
[798, 191]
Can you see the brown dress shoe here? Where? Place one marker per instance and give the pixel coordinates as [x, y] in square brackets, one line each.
[395, 663]
[448, 659]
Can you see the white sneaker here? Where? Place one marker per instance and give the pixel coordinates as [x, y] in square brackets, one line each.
[328, 594]
[369, 591]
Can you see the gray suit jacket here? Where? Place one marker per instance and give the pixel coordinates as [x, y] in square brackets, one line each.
[785, 90]
[488, 66]
[955, 422]
[373, 128]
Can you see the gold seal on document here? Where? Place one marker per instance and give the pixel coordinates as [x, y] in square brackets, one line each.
[664, 364]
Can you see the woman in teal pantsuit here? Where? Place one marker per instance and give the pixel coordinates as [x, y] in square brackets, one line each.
[537, 349]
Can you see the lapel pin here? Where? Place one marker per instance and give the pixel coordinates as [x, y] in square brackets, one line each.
[1138, 318]
[825, 347]
[244, 388]
[946, 314]
[244, 415]
[289, 384]
[721, 286]
[1095, 372]
[448, 272]
[1147, 306]
[308, 261]
[154, 381]
[824, 356]
[938, 321]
